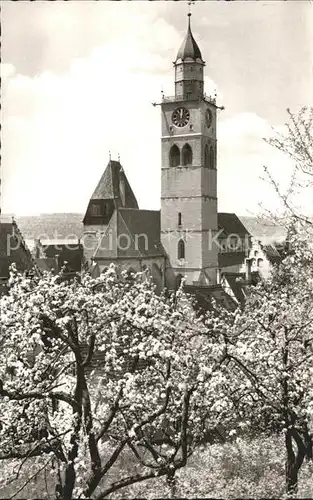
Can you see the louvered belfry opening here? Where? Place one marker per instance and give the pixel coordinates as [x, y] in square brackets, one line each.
[174, 156]
[186, 155]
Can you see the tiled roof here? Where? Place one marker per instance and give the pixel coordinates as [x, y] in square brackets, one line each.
[237, 283]
[46, 264]
[65, 241]
[13, 249]
[231, 224]
[147, 223]
[108, 187]
[204, 295]
[113, 191]
[131, 233]
[273, 254]
[72, 253]
[226, 259]
[189, 47]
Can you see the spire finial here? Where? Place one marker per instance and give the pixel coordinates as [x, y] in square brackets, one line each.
[190, 3]
[118, 157]
[109, 155]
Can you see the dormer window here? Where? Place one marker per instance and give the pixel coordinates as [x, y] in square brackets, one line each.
[95, 210]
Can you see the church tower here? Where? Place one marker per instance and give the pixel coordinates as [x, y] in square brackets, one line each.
[188, 185]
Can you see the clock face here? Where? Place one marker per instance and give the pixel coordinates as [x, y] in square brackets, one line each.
[180, 117]
[208, 118]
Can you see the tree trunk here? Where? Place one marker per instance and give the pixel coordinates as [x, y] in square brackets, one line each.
[171, 481]
[308, 443]
[294, 460]
[291, 477]
[291, 471]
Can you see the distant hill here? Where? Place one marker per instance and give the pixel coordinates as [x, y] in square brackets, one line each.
[264, 230]
[51, 226]
[69, 225]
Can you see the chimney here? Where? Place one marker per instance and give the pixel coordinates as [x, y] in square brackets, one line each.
[37, 248]
[248, 270]
[218, 276]
[58, 261]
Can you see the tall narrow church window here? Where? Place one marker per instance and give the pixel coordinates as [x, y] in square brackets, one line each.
[105, 209]
[179, 219]
[206, 157]
[187, 155]
[181, 249]
[212, 158]
[174, 156]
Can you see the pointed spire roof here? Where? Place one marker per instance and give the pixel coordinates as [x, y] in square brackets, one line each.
[189, 47]
[108, 187]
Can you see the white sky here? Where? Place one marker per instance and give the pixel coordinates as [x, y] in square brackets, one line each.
[79, 79]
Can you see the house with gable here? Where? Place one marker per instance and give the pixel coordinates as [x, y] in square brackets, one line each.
[13, 250]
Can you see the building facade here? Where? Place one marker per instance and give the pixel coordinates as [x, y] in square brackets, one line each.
[187, 238]
[188, 172]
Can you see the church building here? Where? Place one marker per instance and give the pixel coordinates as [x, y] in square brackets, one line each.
[187, 237]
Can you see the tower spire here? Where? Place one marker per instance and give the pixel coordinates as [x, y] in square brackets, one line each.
[189, 66]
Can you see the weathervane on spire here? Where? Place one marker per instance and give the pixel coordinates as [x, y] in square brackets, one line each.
[190, 3]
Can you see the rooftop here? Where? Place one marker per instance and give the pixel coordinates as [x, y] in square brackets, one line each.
[189, 48]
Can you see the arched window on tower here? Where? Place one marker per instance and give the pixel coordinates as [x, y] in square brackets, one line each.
[212, 158]
[187, 155]
[181, 250]
[179, 219]
[174, 156]
[206, 157]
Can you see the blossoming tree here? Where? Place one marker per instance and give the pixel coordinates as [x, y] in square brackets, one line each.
[270, 355]
[296, 142]
[91, 369]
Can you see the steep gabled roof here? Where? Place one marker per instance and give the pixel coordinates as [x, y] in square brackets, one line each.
[13, 249]
[131, 233]
[231, 224]
[146, 225]
[108, 187]
[113, 191]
